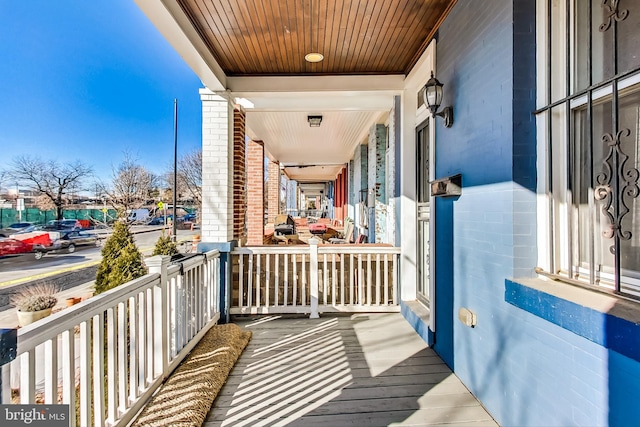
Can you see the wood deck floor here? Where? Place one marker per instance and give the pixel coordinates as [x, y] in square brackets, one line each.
[360, 370]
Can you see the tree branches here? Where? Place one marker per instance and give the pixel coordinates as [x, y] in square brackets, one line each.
[131, 185]
[49, 178]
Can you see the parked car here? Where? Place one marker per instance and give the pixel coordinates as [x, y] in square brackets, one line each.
[189, 217]
[63, 224]
[35, 227]
[70, 240]
[159, 220]
[14, 228]
[14, 247]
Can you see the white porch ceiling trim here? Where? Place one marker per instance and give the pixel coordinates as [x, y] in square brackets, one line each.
[366, 83]
[318, 101]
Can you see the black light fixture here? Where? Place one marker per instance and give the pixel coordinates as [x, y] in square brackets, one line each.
[433, 99]
[314, 121]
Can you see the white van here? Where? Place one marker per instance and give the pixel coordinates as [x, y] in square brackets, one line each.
[138, 215]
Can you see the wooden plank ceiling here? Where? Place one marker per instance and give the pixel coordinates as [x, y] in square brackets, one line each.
[271, 37]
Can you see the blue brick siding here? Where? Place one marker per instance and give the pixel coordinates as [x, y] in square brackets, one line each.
[526, 368]
[364, 167]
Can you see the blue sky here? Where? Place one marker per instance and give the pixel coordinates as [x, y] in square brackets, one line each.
[89, 80]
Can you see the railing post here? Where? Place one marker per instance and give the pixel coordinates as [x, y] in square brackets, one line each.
[158, 264]
[313, 274]
[8, 351]
[225, 276]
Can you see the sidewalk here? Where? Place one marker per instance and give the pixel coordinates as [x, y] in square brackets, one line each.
[9, 318]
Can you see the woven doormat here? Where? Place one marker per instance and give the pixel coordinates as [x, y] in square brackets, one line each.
[187, 395]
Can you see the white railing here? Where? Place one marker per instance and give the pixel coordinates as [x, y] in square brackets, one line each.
[107, 355]
[312, 279]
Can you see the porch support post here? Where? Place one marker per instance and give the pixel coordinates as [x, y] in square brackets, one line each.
[158, 264]
[217, 168]
[223, 185]
[8, 350]
[313, 274]
[226, 275]
[377, 184]
[273, 191]
[255, 193]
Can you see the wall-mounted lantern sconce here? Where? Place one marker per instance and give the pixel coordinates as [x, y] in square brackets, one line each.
[314, 121]
[433, 99]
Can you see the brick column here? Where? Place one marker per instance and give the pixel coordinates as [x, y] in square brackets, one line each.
[217, 168]
[273, 191]
[239, 176]
[255, 193]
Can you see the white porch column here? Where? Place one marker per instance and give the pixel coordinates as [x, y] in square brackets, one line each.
[217, 168]
[313, 277]
[408, 220]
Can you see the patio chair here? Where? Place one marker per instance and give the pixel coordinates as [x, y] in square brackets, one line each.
[348, 235]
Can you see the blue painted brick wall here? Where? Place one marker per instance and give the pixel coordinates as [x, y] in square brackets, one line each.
[526, 370]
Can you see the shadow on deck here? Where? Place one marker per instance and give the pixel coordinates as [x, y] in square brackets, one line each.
[359, 370]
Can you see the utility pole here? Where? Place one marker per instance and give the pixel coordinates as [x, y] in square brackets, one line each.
[175, 169]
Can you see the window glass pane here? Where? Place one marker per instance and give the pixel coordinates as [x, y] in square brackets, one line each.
[581, 64]
[629, 116]
[558, 50]
[583, 207]
[601, 126]
[559, 184]
[589, 221]
[423, 164]
[629, 38]
[588, 171]
[602, 56]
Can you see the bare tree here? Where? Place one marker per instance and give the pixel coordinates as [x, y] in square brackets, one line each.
[131, 185]
[189, 177]
[190, 173]
[49, 178]
[3, 177]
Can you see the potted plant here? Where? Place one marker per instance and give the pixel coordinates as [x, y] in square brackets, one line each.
[34, 303]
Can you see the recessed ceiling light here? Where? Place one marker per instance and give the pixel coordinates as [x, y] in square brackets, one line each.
[314, 121]
[314, 57]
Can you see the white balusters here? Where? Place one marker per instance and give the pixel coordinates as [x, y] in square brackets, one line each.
[349, 278]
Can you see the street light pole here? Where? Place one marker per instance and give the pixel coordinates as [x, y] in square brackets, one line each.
[175, 168]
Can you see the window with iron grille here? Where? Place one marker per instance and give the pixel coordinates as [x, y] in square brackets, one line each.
[589, 133]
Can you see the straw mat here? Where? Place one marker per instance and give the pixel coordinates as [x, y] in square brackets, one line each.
[187, 395]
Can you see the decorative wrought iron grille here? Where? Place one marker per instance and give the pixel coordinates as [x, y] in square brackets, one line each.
[592, 121]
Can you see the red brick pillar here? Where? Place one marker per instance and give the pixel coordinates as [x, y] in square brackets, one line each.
[255, 192]
[239, 176]
[273, 191]
[340, 192]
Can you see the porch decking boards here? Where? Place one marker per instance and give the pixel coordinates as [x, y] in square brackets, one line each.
[360, 370]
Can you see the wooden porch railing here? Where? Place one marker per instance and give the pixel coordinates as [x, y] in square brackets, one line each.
[107, 355]
[313, 279]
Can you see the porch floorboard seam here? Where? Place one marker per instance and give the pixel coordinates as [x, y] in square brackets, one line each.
[359, 370]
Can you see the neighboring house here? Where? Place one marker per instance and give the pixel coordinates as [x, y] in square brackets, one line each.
[527, 283]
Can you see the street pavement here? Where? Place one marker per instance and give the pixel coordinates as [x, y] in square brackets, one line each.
[76, 280]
